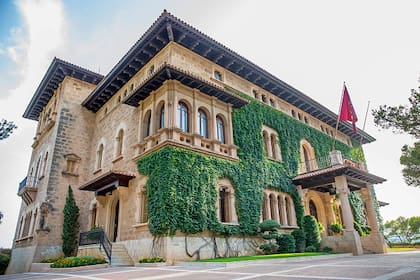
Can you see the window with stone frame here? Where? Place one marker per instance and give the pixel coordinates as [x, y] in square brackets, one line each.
[279, 206]
[142, 216]
[120, 143]
[271, 143]
[183, 117]
[226, 202]
[202, 123]
[99, 156]
[218, 75]
[72, 165]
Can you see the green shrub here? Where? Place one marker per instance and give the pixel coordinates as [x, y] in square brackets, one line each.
[299, 236]
[4, 262]
[152, 260]
[269, 248]
[312, 236]
[327, 249]
[286, 243]
[269, 225]
[51, 260]
[359, 229]
[336, 227]
[311, 249]
[77, 261]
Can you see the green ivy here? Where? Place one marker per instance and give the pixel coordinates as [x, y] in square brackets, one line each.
[182, 184]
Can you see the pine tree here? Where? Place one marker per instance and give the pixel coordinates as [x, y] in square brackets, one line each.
[70, 225]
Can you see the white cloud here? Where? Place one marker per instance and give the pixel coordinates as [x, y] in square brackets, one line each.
[33, 43]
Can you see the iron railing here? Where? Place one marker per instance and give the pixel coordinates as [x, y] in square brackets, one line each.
[328, 161]
[29, 181]
[97, 236]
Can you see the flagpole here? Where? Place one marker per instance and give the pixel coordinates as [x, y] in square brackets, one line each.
[364, 122]
[338, 118]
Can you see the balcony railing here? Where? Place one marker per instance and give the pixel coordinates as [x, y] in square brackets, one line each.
[334, 158]
[28, 189]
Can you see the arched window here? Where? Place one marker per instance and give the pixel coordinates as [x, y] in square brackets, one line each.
[44, 166]
[279, 206]
[120, 142]
[307, 158]
[202, 123]
[266, 146]
[312, 209]
[147, 124]
[183, 117]
[274, 146]
[226, 203]
[273, 207]
[99, 156]
[220, 129]
[162, 116]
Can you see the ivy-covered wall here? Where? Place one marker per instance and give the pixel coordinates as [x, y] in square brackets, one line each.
[182, 185]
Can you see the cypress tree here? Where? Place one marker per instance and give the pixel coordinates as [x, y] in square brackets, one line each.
[70, 225]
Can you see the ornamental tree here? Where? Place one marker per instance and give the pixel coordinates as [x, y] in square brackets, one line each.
[6, 128]
[311, 229]
[70, 225]
[404, 119]
[405, 229]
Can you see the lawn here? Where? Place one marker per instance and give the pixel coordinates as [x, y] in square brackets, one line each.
[402, 249]
[264, 257]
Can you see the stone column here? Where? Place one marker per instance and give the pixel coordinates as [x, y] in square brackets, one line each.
[267, 206]
[194, 114]
[351, 239]
[153, 118]
[376, 242]
[137, 214]
[232, 212]
[32, 223]
[286, 221]
[276, 210]
[302, 194]
[140, 124]
[228, 127]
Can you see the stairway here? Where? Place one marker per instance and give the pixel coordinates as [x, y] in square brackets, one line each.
[119, 256]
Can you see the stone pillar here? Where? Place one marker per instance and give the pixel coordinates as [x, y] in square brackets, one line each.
[232, 212]
[140, 124]
[286, 221]
[194, 114]
[267, 206]
[376, 242]
[137, 214]
[350, 236]
[276, 210]
[32, 223]
[228, 126]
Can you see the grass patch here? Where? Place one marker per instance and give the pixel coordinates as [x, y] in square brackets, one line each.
[402, 249]
[264, 257]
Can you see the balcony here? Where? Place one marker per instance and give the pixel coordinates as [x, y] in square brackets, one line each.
[334, 158]
[28, 189]
[319, 174]
[176, 137]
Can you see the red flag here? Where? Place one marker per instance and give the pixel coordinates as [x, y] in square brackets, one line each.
[347, 112]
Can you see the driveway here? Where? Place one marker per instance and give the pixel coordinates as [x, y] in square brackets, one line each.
[379, 267]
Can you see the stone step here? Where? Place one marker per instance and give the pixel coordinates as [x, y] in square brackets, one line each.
[119, 256]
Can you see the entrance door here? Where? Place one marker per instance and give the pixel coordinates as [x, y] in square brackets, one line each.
[117, 212]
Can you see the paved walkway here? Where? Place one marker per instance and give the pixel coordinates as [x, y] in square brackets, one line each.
[378, 267]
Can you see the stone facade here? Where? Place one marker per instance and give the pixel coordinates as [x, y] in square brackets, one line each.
[82, 148]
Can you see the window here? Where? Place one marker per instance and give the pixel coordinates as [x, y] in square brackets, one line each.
[256, 96]
[99, 156]
[44, 166]
[271, 143]
[162, 117]
[308, 159]
[147, 123]
[226, 204]
[202, 123]
[120, 142]
[274, 146]
[278, 206]
[72, 164]
[322, 128]
[218, 75]
[131, 88]
[306, 120]
[272, 103]
[299, 116]
[141, 215]
[183, 117]
[266, 145]
[37, 170]
[264, 98]
[294, 114]
[125, 93]
[220, 129]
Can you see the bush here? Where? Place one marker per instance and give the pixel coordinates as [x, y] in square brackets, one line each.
[77, 261]
[299, 236]
[152, 260]
[359, 229]
[327, 249]
[311, 249]
[269, 225]
[269, 248]
[4, 262]
[311, 230]
[51, 260]
[70, 225]
[336, 228]
[286, 243]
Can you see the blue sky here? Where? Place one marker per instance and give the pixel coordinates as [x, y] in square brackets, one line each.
[312, 45]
